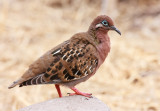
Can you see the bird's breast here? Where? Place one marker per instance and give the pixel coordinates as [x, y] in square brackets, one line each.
[103, 50]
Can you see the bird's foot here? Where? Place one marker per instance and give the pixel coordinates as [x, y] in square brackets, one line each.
[83, 94]
[77, 92]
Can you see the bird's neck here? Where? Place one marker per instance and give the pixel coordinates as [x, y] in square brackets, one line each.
[101, 42]
[103, 46]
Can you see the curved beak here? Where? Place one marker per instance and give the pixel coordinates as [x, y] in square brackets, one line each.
[114, 28]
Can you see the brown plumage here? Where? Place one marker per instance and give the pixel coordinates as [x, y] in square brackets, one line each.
[73, 61]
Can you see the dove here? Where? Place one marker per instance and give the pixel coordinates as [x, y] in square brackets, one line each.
[73, 61]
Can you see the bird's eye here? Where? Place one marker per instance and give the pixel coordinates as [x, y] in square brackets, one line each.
[105, 23]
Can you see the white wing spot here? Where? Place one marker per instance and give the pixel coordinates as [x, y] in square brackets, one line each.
[85, 72]
[78, 54]
[76, 73]
[86, 67]
[63, 56]
[57, 52]
[68, 57]
[90, 69]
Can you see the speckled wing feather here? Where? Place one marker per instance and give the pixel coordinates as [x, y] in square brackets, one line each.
[72, 61]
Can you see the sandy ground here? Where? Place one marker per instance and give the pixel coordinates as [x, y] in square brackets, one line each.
[127, 81]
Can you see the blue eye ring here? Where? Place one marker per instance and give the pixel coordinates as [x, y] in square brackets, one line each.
[105, 23]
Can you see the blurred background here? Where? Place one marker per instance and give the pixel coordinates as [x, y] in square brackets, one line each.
[129, 79]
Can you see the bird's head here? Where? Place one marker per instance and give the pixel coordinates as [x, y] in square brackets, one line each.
[103, 24]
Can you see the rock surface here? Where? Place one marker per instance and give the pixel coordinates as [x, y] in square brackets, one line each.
[69, 103]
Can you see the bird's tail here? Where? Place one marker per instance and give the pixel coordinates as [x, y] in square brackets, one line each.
[19, 81]
[33, 81]
[23, 82]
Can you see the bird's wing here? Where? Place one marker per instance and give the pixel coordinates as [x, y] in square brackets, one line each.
[72, 61]
[38, 67]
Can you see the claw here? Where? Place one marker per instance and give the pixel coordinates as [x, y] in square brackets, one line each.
[77, 92]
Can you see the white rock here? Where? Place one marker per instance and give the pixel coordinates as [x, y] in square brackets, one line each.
[69, 103]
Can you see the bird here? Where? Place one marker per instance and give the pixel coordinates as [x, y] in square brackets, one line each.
[74, 60]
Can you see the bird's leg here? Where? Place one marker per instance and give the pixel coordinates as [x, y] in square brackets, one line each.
[58, 90]
[77, 92]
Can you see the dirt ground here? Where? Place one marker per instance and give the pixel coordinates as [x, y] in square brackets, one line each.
[129, 79]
